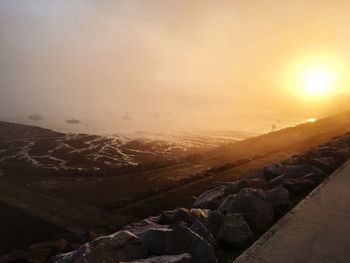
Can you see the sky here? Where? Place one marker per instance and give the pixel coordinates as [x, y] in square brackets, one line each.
[151, 65]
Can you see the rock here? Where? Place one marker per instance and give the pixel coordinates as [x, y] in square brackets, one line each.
[198, 228]
[258, 183]
[295, 171]
[326, 164]
[183, 258]
[254, 207]
[214, 222]
[175, 216]
[299, 185]
[278, 199]
[211, 198]
[139, 228]
[177, 241]
[233, 187]
[278, 181]
[255, 174]
[272, 171]
[316, 178]
[200, 214]
[234, 232]
[329, 151]
[344, 153]
[154, 240]
[297, 160]
[202, 252]
[120, 246]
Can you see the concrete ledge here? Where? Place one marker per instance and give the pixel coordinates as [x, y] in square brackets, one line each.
[316, 230]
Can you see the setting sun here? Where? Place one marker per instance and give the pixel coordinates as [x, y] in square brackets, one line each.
[317, 80]
[317, 76]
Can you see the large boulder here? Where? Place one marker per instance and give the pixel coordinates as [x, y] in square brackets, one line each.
[201, 230]
[214, 222]
[297, 160]
[234, 232]
[200, 214]
[295, 171]
[278, 199]
[183, 258]
[177, 241]
[329, 151]
[120, 246]
[154, 240]
[253, 205]
[316, 178]
[175, 216]
[299, 185]
[212, 198]
[258, 183]
[272, 171]
[326, 164]
[233, 187]
[139, 228]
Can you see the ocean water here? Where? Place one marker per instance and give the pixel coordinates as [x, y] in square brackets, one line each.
[235, 125]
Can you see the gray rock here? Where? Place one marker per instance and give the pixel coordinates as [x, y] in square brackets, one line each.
[183, 258]
[258, 183]
[154, 240]
[254, 207]
[295, 171]
[202, 252]
[329, 151]
[214, 222]
[299, 185]
[326, 164]
[120, 246]
[212, 198]
[233, 187]
[278, 199]
[198, 228]
[175, 216]
[234, 232]
[297, 160]
[272, 171]
[179, 240]
[200, 214]
[278, 181]
[139, 228]
[316, 178]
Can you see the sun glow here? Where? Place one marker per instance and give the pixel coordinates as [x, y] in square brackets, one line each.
[317, 77]
[318, 80]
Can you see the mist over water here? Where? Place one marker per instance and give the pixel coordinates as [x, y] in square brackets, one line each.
[126, 66]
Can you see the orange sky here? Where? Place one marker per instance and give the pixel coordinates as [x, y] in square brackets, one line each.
[135, 62]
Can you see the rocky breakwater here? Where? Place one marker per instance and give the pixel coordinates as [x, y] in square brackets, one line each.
[230, 216]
